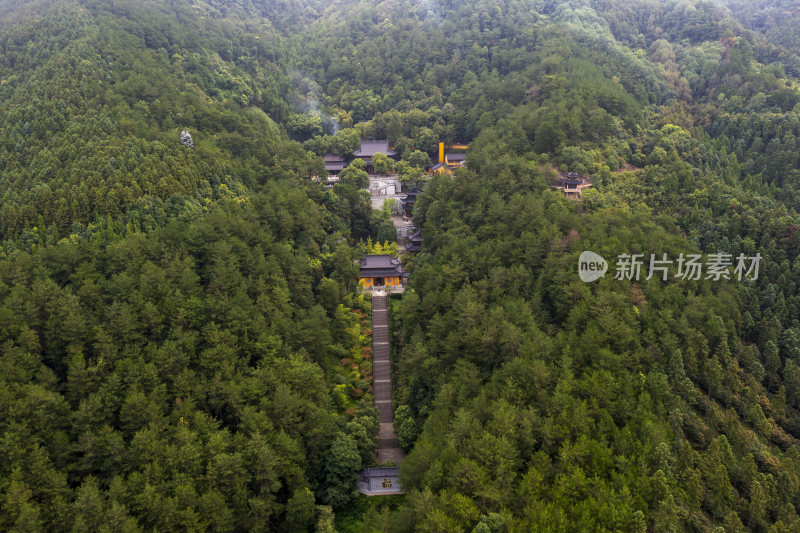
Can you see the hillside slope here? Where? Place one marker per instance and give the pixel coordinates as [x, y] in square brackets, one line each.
[174, 320]
[94, 97]
[182, 342]
[532, 401]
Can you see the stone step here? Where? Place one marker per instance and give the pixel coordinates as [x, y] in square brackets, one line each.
[388, 448]
[383, 396]
[391, 454]
[387, 443]
[386, 431]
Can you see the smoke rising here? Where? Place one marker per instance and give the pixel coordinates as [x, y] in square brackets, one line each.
[307, 100]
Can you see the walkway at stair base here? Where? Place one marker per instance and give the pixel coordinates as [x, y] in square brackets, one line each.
[388, 449]
[379, 481]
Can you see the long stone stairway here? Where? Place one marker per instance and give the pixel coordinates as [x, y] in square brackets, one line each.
[388, 449]
[383, 481]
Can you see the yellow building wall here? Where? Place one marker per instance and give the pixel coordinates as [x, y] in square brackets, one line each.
[370, 282]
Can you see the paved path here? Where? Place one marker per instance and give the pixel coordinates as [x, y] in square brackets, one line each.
[403, 227]
[388, 448]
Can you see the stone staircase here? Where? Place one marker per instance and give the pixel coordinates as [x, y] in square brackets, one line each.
[388, 449]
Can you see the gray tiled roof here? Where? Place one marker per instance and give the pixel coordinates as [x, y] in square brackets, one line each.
[380, 266]
[370, 148]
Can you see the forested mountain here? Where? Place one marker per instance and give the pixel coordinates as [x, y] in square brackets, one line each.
[95, 94]
[182, 341]
[777, 20]
[173, 318]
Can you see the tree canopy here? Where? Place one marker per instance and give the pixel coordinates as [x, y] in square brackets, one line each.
[183, 343]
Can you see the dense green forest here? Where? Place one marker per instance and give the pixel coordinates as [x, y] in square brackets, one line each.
[182, 341]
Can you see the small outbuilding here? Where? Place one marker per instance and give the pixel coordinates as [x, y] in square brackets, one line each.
[410, 201]
[334, 164]
[414, 242]
[572, 185]
[379, 481]
[449, 161]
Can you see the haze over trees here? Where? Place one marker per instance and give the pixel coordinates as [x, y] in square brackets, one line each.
[182, 343]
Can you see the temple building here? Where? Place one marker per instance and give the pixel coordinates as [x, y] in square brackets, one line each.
[454, 160]
[370, 148]
[449, 160]
[381, 271]
[334, 164]
[409, 202]
[572, 185]
[438, 167]
[414, 242]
